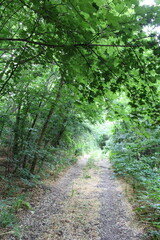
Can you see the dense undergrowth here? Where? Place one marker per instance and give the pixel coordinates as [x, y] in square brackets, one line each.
[17, 189]
[135, 154]
[17, 184]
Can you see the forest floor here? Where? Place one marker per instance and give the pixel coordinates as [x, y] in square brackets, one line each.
[86, 203]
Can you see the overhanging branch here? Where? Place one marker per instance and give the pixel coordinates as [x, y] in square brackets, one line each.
[64, 45]
[8, 49]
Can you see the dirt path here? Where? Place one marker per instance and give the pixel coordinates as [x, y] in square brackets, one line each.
[87, 203]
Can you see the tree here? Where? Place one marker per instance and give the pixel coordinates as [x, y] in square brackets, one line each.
[98, 50]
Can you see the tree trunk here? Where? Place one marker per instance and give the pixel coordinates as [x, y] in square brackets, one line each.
[45, 125]
[35, 120]
[16, 132]
[29, 134]
[56, 142]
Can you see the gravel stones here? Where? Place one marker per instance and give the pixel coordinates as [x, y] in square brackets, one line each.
[82, 207]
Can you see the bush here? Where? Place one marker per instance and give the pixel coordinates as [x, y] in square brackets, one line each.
[135, 157]
[102, 140]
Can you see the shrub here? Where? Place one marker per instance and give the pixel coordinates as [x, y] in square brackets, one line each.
[135, 157]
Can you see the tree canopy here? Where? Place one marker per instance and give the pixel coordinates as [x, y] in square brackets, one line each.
[79, 57]
[100, 48]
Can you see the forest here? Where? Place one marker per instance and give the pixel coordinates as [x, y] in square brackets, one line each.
[66, 68]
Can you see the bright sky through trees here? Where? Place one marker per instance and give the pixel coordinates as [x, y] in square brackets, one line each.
[148, 2]
[149, 28]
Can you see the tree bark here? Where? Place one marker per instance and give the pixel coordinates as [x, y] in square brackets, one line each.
[16, 132]
[56, 142]
[45, 125]
[35, 120]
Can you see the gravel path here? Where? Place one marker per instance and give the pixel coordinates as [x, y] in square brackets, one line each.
[84, 204]
[117, 218]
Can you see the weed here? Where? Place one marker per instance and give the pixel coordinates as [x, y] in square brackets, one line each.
[9, 208]
[7, 218]
[87, 176]
[72, 192]
[20, 203]
[91, 164]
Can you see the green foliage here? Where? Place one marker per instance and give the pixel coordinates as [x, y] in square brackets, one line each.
[7, 219]
[72, 192]
[102, 140]
[20, 203]
[154, 235]
[8, 210]
[135, 153]
[65, 63]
